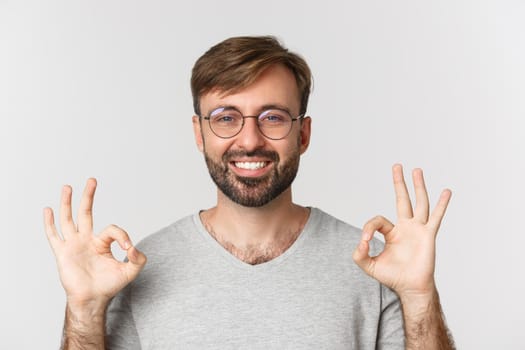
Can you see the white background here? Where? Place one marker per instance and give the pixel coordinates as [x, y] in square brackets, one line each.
[101, 88]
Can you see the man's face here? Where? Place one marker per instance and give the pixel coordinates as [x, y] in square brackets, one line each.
[248, 168]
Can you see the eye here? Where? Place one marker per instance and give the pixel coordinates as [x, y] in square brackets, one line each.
[225, 117]
[273, 117]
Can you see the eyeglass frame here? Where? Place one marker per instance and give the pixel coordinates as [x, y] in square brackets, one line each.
[244, 117]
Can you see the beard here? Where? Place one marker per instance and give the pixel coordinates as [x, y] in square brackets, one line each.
[249, 191]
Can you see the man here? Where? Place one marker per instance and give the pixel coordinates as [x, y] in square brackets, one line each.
[257, 270]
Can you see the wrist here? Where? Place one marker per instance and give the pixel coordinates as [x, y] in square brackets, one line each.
[84, 327]
[418, 304]
[91, 311]
[424, 322]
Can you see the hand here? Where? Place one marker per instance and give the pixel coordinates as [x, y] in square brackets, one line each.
[407, 262]
[89, 273]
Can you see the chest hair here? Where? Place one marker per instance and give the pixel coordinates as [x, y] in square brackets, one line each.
[260, 253]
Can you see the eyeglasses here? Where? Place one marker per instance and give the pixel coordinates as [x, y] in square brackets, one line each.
[227, 122]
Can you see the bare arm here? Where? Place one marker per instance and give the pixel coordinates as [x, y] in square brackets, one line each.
[84, 328]
[89, 273]
[425, 326]
[407, 263]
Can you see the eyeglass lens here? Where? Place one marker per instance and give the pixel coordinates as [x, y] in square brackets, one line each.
[273, 123]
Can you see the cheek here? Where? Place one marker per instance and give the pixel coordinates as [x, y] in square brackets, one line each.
[292, 150]
[213, 147]
[294, 145]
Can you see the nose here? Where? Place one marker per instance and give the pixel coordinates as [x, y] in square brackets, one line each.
[250, 138]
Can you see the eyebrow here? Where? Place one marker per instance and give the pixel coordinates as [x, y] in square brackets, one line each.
[276, 106]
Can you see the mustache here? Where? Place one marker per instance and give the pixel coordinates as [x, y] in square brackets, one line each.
[231, 154]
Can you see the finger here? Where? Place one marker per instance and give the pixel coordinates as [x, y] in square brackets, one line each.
[114, 233]
[362, 259]
[85, 210]
[403, 205]
[361, 253]
[51, 232]
[379, 224]
[66, 219]
[422, 205]
[136, 262]
[136, 259]
[439, 211]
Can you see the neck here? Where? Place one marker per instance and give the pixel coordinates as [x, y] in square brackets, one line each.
[259, 234]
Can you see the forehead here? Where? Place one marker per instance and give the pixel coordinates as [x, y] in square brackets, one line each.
[275, 86]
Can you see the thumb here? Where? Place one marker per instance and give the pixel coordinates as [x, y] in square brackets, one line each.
[136, 262]
[362, 259]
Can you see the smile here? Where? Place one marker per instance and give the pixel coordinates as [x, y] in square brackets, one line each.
[250, 165]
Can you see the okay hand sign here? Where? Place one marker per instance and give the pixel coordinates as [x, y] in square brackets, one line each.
[407, 262]
[88, 270]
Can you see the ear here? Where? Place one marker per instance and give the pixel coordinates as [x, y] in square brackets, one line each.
[306, 125]
[197, 132]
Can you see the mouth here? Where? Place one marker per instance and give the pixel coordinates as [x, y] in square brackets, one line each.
[251, 168]
[250, 165]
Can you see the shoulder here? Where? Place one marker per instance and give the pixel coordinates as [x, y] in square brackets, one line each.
[168, 238]
[330, 229]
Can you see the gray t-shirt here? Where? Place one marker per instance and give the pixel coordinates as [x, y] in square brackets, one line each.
[193, 294]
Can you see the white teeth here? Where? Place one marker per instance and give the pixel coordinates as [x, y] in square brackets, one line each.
[250, 165]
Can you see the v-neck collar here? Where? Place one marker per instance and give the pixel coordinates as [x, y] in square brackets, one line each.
[219, 249]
